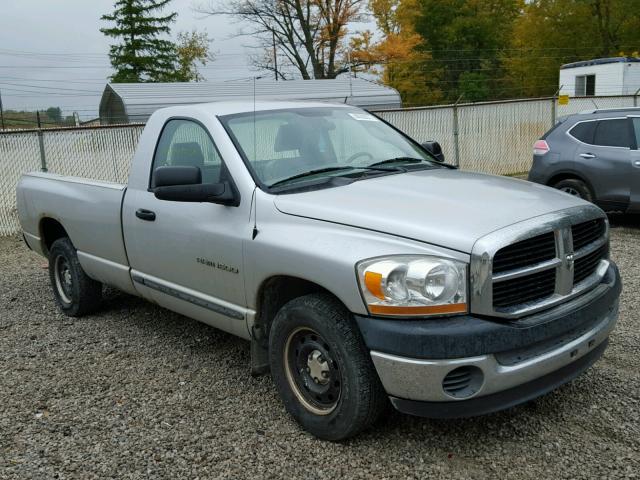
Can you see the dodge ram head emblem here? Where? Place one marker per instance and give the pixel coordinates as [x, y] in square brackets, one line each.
[569, 260]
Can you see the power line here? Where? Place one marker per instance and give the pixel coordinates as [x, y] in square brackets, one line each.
[54, 66]
[48, 88]
[86, 81]
[41, 93]
[102, 54]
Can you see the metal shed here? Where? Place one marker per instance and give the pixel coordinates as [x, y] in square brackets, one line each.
[135, 102]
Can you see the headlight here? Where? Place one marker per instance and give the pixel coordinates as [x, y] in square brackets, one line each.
[408, 285]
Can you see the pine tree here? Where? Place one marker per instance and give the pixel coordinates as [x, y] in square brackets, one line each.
[141, 55]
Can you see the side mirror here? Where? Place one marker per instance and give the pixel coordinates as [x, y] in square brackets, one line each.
[184, 184]
[221, 193]
[173, 175]
[434, 149]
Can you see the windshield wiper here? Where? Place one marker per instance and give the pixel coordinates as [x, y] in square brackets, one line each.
[398, 160]
[331, 169]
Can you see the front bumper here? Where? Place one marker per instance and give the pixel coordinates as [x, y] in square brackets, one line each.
[510, 361]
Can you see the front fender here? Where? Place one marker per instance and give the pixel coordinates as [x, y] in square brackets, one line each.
[321, 252]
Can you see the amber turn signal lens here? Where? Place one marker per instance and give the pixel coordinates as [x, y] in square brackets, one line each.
[419, 309]
[373, 282]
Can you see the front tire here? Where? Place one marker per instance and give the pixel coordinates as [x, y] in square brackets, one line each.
[575, 187]
[322, 369]
[76, 294]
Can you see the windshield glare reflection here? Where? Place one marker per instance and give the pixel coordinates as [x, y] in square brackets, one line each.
[280, 144]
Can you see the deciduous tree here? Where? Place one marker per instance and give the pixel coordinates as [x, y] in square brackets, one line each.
[550, 33]
[464, 39]
[193, 49]
[307, 34]
[396, 57]
[55, 114]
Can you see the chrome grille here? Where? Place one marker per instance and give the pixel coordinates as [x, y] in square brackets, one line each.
[586, 265]
[527, 252]
[524, 289]
[539, 263]
[587, 232]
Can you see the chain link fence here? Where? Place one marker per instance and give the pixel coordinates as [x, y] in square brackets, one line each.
[491, 137]
[101, 153]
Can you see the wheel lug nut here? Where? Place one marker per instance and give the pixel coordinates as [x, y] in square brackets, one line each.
[315, 379]
[325, 374]
[308, 370]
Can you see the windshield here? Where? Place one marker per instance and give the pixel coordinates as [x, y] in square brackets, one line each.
[320, 142]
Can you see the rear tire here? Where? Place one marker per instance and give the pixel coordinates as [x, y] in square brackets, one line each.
[575, 187]
[322, 369]
[76, 294]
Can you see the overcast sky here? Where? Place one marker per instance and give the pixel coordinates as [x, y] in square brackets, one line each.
[52, 52]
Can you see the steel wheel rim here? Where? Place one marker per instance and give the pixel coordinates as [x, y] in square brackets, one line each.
[63, 278]
[307, 355]
[571, 191]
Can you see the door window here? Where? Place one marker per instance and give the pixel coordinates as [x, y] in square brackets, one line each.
[584, 131]
[613, 133]
[187, 143]
[636, 130]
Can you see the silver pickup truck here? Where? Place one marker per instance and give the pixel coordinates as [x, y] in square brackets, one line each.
[360, 266]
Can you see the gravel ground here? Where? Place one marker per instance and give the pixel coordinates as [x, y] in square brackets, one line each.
[140, 392]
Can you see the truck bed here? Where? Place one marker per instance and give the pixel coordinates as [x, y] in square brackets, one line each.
[90, 212]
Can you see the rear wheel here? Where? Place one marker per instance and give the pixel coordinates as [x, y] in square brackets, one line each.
[575, 187]
[322, 368]
[76, 294]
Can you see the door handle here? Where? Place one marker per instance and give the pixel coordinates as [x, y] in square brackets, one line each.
[587, 155]
[147, 215]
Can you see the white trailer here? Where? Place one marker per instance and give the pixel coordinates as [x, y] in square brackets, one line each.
[600, 77]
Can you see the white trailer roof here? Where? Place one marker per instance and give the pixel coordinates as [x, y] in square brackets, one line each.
[135, 102]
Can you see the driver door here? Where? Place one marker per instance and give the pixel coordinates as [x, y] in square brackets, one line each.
[634, 204]
[187, 256]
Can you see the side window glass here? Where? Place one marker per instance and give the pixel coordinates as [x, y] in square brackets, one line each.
[584, 131]
[186, 143]
[636, 130]
[613, 133]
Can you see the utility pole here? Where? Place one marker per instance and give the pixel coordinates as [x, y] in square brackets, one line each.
[275, 55]
[1, 111]
[349, 72]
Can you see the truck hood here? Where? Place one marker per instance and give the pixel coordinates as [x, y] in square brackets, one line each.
[442, 207]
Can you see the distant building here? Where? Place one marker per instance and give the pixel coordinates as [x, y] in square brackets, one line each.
[601, 76]
[135, 102]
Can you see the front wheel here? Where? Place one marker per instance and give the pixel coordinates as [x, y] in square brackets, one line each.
[322, 369]
[76, 294]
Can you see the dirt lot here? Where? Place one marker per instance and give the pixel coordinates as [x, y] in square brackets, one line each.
[138, 392]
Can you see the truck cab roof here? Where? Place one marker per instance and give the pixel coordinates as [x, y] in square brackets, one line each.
[243, 106]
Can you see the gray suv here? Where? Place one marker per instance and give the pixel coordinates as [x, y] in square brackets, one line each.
[593, 155]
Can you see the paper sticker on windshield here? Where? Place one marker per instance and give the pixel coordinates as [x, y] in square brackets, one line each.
[364, 117]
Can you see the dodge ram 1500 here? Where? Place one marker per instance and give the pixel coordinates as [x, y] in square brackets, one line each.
[360, 266]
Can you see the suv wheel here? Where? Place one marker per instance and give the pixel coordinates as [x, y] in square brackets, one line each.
[322, 369]
[76, 294]
[575, 187]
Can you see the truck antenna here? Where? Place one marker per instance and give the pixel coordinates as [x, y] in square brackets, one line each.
[255, 155]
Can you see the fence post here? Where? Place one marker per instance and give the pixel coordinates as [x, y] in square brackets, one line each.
[456, 134]
[554, 99]
[43, 160]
